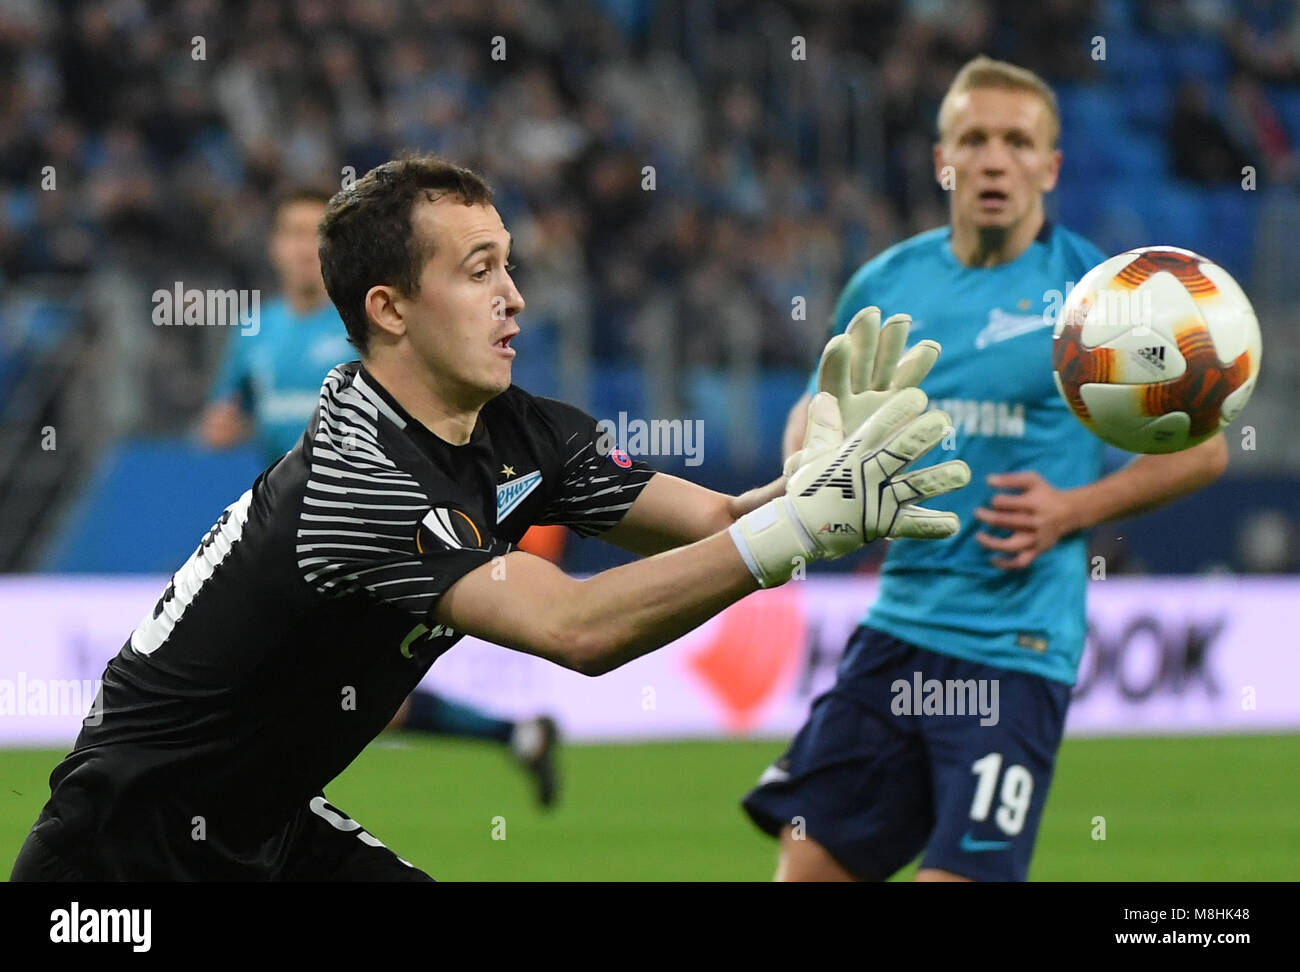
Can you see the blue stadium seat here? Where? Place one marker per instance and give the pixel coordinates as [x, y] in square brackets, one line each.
[1116, 16]
[1139, 155]
[1150, 107]
[1118, 228]
[778, 390]
[705, 394]
[536, 365]
[615, 387]
[1082, 163]
[1074, 205]
[38, 322]
[1176, 215]
[1286, 102]
[1101, 140]
[1140, 72]
[12, 365]
[1201, 57]
[18, 208]
[1233, 214]
[707, 397]
[1136, 59]
[1093, 110]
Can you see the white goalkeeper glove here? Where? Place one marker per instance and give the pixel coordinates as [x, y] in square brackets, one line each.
[848, 493]
[862, 367]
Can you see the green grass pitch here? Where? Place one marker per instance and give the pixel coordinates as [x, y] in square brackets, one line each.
[1220, 808]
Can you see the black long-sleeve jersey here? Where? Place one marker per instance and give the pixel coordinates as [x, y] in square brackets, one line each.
[290, 637]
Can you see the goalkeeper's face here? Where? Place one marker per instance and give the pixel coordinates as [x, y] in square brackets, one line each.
[997, 157]
[462, 319]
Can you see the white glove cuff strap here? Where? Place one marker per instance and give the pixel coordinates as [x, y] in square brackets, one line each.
[770, 539]
[809, 546]
[747, 555]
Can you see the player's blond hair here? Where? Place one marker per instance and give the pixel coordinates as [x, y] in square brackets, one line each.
[984, 72]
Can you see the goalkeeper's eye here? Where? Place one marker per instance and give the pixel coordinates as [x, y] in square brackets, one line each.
[511, 267]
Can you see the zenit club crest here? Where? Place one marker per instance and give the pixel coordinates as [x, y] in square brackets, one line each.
[511, 494]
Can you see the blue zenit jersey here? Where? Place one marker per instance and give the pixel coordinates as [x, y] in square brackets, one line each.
[277, 371]
[994, 378]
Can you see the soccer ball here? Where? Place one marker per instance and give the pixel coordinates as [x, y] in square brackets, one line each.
[1156, 350]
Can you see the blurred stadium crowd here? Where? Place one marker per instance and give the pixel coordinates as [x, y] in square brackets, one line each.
[170, 127]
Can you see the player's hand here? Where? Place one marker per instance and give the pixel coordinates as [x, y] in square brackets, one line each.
[223, 425]
[1036, 513]
[850, 492]
[899, 431]
[862, 367]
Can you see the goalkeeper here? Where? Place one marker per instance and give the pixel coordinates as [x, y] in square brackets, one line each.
[323, 595]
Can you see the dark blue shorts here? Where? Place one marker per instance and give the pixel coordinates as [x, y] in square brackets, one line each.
[904, 754]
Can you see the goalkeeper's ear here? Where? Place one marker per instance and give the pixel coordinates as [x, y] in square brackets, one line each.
[824, 431]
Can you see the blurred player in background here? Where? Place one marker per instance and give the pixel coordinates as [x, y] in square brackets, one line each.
[269, 387]
[863, 787]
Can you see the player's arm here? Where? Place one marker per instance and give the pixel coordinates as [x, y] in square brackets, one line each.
[596, 625]
[671, 512]
[1038, 515]
[224, 424]
[225, 421]
[593, 626]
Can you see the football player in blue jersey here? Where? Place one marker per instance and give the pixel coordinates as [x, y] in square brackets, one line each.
[267, 389]
[269, 381]
[993, 616]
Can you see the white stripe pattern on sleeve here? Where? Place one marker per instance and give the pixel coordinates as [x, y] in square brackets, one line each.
[360, 512]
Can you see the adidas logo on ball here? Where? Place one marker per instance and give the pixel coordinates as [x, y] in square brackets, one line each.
[1155, 356]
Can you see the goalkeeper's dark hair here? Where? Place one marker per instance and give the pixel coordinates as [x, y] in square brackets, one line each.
[366, 237]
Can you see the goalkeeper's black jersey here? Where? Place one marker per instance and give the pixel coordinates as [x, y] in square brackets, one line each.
[291, 636]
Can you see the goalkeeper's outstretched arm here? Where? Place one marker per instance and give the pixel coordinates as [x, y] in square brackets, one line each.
[593, 626]
[847, 493]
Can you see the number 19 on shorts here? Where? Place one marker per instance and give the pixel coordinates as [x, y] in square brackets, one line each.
[1015, 793]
